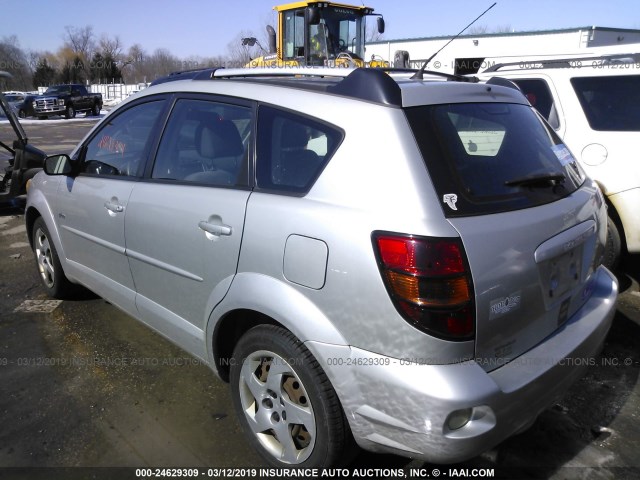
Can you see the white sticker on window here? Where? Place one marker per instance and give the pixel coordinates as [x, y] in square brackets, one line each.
[451, 199]
[486, 143]
[563, 154]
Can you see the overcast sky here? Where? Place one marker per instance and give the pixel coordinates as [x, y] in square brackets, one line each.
[204, 28]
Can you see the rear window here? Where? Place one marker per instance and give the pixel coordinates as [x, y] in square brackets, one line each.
[610, 103]
[492, 157]
[292, 150]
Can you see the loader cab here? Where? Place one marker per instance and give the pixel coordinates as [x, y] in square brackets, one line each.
[322, 33]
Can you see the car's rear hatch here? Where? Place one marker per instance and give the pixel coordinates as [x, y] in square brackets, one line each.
[529, 221]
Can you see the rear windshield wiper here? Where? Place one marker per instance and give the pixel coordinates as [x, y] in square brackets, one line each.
[542, 180]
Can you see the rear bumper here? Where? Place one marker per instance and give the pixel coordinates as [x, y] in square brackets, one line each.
[402, 407]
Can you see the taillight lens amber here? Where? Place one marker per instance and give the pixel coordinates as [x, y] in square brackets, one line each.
[429, 283]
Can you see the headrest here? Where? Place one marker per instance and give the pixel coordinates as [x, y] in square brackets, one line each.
[294, 135]
[218, 138]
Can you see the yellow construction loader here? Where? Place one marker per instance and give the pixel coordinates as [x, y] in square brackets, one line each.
[316, 33]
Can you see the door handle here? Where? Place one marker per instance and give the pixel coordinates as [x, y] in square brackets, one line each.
[113, 207]
[215, 229]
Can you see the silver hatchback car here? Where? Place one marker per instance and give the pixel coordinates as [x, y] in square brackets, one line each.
[409, 265]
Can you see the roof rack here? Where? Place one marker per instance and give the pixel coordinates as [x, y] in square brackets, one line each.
[195, 74]
[371, 84]
[568, 62]
[281, 71]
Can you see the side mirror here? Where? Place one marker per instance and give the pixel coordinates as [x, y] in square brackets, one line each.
[380, 24]
[271, 34]
[58, 165]
[313, 15]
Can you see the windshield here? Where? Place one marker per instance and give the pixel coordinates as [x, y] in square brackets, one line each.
[58, 89]
[610, 103]
[493, 157]
[345, 31]
[339, 31]
[14, 98]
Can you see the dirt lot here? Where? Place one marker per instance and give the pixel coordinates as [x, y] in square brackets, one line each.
[84, 385]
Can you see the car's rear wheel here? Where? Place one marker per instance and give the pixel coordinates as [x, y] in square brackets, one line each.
[49, 268]
[95, 111]
[286, 403]
[22, 114]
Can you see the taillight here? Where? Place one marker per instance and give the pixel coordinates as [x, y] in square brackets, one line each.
[429, 283]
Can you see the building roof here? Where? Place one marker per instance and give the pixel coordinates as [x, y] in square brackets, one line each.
[511, 34]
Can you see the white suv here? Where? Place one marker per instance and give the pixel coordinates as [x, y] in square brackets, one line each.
[594, 106]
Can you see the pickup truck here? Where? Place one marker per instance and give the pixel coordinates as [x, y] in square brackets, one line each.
[67, 100]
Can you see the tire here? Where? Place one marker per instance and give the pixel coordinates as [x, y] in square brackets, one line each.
[51, 274]
[95, 111]
[70, 112]
[613, 247]
[401, 59]
[280, 391]
[22, 114]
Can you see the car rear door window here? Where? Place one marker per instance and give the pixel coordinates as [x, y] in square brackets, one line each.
[610, 103]
[292, 150]
[205, 142]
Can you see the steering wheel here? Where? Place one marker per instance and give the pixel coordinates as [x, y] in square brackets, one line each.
[99, 168]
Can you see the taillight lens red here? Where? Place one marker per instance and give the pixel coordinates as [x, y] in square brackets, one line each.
[429, 283]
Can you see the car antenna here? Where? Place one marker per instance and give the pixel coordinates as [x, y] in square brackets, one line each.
[419, 75]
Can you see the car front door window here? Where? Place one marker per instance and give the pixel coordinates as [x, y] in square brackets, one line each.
[119, 149]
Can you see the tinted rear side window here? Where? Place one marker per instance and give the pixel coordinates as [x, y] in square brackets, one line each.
[539, 96]
[292, 150]
[492, 157]
[610, 103]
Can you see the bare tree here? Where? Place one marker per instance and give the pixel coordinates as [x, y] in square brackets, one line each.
[136, 54]
[80, 40]
[371, 33]
[162, 62]
[478, 30]
[111, 47]
[239, 52]
[14, 61]
[506, 28]
[484, 29]
[133, 65]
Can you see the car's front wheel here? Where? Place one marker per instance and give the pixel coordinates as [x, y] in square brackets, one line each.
[286, 403]
[70, 112]
[49, 268]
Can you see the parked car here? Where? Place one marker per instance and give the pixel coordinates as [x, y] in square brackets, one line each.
[22, 104]
[593, 104]
[19, 160]
[413, 265]
[67, 100]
